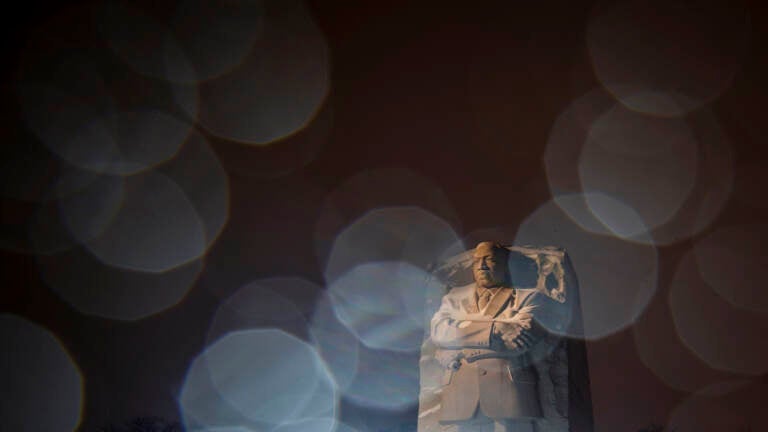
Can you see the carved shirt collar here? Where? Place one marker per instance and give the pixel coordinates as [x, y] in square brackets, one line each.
[499, 297]
[482, 290]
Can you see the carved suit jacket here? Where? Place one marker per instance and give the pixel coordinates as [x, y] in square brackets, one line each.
[482, 370]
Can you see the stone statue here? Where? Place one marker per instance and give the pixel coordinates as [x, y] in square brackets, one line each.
[493, 360]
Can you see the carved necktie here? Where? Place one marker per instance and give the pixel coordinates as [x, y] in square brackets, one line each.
[482, 302]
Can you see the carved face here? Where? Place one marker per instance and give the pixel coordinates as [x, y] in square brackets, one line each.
[489, 265]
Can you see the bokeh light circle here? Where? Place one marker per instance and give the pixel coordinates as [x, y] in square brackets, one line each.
[197, 43]
[298, 291]
[196, 169]
[373, 189]
[748, 187]
[90, 211]
[279, 86]
[665, 57]
[335, 343]
[724, 336]
[29, 172]
[385, 380]
[267, 376]
[97, 289]
[384, 304]
[126, 142]
[663, 352]
[42, 386]
[706, 411]
[311, 425]
[77, 209]
[204, 409]
[214, 39]
[283, 158]
[567, 137]
[224, 429]
[373, 378]
[256, 305]
[677, 174]
[714, 182]
[731, 261]
[407, 234]
[141, 41]
[156, 229]
[89, 132]
[648, 163]
[604, 215]
[617, 279]
[90, 110]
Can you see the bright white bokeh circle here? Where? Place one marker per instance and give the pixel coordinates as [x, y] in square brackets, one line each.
[617, 279]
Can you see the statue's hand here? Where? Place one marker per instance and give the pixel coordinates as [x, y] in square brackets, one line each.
[513, 334]
[522, 320]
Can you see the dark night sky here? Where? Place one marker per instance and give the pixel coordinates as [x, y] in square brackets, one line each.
[448, 106]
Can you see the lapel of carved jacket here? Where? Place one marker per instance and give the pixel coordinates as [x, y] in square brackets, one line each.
[498, 302]
[469, 302]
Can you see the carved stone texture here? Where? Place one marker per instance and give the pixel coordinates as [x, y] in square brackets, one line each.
[507, 365]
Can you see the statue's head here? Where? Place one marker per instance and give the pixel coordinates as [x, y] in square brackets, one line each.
[489, 264]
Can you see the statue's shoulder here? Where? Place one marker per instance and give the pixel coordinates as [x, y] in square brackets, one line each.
[532, 295]
[540, 300]
[461, 292]
[527, 293]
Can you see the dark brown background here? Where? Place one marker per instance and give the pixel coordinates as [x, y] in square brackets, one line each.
[463, 93]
